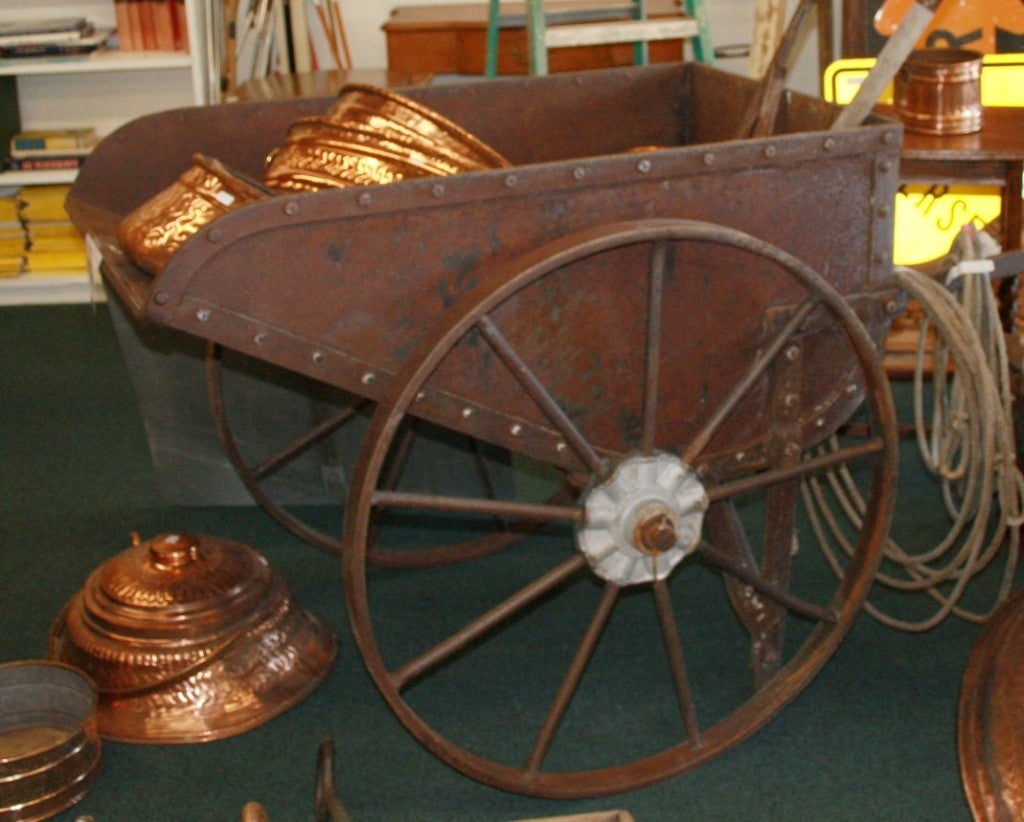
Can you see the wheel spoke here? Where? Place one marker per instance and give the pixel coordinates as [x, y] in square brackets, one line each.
[659, 258]
[503, 611]
[572, 677]
[674, 649]
[745, 574]
[811, 465]
[304, 442]
[467, 550]
[540, 395]
[537, 512]
[397, 461]
[284, 455]
[757, 368]
[483, 474]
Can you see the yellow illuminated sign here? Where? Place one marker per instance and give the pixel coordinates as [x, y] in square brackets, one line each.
[928, 217]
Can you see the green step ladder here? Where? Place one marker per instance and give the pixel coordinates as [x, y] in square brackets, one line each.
[588, 24]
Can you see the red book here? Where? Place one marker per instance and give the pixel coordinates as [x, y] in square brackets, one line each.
[44, 163]
[148, 24]
[123, 18]
[180, 24]
[163, 24]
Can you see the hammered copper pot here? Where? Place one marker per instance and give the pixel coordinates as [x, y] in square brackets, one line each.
[189, 639]
[153, 232]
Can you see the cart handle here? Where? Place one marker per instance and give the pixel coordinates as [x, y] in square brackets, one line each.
[890, 58]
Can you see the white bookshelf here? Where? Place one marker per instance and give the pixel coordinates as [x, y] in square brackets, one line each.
[101, 60]
[102, 90]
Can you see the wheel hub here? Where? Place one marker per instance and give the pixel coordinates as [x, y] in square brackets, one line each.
[642, 520]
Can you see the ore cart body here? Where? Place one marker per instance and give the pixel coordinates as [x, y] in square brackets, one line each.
[670, 321]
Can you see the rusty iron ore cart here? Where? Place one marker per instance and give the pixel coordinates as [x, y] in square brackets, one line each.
[665, 319]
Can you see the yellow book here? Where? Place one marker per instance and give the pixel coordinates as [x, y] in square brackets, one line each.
[11, 245]
[11, 265]
[69, 245]
[55, 262]
[9, 208]
[54, 237]
[58, 230]
[44, 203]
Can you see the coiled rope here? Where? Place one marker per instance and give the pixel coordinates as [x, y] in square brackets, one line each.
[966, 439]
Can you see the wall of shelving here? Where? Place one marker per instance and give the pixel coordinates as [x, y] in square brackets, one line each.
[103, 90]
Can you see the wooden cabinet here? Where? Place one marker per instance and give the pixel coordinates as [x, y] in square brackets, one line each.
[452, 39]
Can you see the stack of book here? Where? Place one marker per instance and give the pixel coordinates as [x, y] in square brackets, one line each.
[51, 148]
[53, 244]
[148, 25]
[50, 37]
[13, 241]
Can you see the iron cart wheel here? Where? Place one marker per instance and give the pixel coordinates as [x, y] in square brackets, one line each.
[321, 423]
[608, 638]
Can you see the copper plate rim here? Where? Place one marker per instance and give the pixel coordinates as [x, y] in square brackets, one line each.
[241, 721]
[433, 117]
[319, 129]
[987, 726]
[423, 163]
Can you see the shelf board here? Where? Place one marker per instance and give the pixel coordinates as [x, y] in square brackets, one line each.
[45, 177]
[97, 61]
[48, 289]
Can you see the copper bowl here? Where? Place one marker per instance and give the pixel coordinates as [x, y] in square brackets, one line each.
[938, 91]
[153, 232]
[190, 639]
[49, 743]
[373, 136]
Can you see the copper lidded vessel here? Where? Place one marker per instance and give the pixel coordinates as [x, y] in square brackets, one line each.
[190, 639]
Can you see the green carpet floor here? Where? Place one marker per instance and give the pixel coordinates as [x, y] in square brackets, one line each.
[872, 737]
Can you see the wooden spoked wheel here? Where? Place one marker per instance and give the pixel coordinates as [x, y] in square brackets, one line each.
[604, 653]
[311, 445]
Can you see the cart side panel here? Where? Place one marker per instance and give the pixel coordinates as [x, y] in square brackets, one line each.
[562, 116]
[344, 285]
